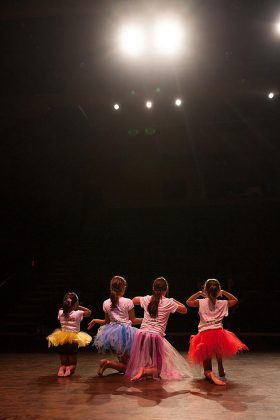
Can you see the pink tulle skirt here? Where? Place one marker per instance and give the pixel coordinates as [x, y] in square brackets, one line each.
[153, 352]
[212, 343]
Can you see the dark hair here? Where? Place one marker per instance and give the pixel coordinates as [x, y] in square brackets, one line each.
[117, 286]
[70, 301]
[160, 285]
[212, 288]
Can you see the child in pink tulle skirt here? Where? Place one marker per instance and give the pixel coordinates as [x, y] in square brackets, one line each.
[212, 340]
[151, 354]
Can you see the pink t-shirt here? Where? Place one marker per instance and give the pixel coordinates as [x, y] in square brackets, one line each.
[120, 313]
[211, 318]
[157, 325]
[72, 322]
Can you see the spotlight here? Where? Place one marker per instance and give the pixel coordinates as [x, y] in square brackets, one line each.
[132, 40]
[149, 104]
[178, 102]
[277, 27]
[270, 95]
[116, 107]
[168, 37]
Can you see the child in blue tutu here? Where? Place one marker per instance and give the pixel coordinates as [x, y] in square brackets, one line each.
[69, 338]
[116, 332]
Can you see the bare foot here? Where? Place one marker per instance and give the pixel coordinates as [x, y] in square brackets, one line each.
[67, 371]
[103, 365]
[212, 378]
[139, 374]
[61, 371]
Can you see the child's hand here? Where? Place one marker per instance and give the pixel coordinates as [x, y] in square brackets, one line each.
[91, 324]
[220, 294]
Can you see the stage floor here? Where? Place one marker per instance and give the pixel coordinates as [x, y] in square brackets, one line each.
[30, 390]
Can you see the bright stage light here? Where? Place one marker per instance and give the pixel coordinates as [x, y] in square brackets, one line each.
[178, 102]
[277, 27]
[116, 106]
[168, 37]
[149, 104]
[132, 40]
[271, 95]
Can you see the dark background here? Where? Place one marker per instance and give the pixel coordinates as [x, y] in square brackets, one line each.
[86, 193]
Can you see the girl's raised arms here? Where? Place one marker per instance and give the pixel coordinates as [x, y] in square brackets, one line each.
[232, 300]
[181, 308]
[192, 301]
[86, 311]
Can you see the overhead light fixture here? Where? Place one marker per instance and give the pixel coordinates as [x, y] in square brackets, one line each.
[149, 104]
[168, 37]
[132, 40]
[178, 102]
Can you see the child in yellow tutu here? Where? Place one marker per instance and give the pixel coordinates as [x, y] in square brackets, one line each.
[69, 337]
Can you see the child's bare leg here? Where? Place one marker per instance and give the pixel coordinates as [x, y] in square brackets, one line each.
[67, 367]
[102, 364]
[207, 366]
[63, 363]
[220, 366]
[209, 374]
[144, 372]
[106, 364]
[72, 359]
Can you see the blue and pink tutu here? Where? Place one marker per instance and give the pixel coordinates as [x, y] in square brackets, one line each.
[211, 343]
[115, 337]
[152, 351]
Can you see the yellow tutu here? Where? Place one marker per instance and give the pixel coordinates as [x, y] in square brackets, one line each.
[59, 337]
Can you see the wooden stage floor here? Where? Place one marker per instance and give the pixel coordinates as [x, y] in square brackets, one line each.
[30, 390]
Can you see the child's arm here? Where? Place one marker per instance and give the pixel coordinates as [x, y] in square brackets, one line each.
[193, 301]
[133, 319]
[232, 300]
[181, 307]
[99, 321]
[86, 311]
[136, 300]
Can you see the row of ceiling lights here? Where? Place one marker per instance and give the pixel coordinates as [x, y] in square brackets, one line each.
[149, 104]
[178, 102]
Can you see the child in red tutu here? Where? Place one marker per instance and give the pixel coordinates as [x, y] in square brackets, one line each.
[69, 338]
[151, 354]
[212, 340]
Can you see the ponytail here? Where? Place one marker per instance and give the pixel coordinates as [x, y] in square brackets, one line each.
[117, 287]
[212, 288]
[153, 305]
[160, 285]
[114, 299]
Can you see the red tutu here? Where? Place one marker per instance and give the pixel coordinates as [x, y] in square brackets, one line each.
[212, 343]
